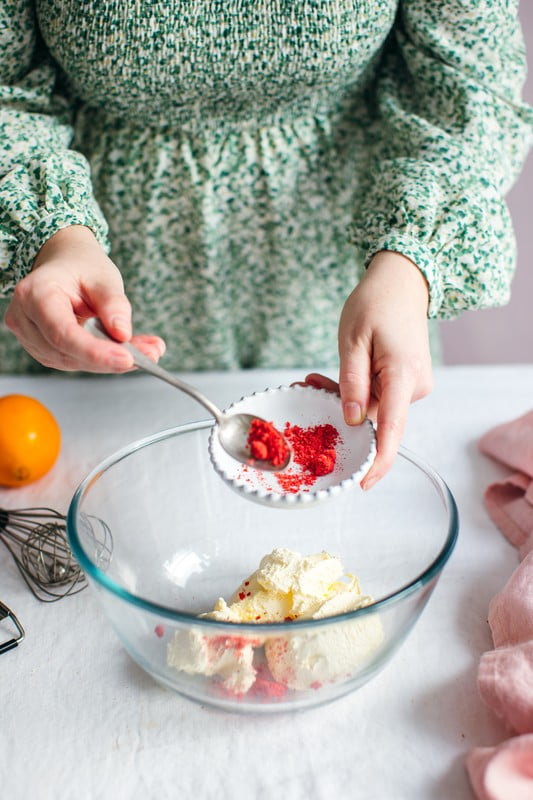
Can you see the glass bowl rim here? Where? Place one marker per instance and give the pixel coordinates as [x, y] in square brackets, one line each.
[107, 583]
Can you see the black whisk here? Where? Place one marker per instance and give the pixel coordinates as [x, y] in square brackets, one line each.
[37, 540]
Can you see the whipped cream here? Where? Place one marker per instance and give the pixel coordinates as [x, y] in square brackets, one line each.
[228, 657]
[309, 659]
[289, 586]
[286, 586]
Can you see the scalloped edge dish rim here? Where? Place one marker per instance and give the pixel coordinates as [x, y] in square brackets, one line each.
[293, 499]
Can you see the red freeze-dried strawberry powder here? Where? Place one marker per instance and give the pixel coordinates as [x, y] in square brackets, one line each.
[313, 449]
[266, 443]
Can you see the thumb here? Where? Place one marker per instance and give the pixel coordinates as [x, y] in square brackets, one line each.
[355, 383]
[111, 305]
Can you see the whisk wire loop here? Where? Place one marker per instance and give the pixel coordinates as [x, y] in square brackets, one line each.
[37, 541]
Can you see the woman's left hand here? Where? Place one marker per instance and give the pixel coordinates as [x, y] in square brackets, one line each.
[385, 362]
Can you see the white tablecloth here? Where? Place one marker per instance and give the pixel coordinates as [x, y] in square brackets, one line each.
[78, 719]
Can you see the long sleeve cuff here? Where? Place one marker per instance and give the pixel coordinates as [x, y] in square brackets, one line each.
[461, 238]
[39, 199]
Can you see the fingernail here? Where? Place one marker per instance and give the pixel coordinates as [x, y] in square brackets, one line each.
[121, 324]
[154, 354]
[353, 413]
[366, 485]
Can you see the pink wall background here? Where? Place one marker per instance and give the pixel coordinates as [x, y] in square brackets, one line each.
[504, 335]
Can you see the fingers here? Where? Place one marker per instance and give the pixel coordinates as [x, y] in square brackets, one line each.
[73, 279]
[49, 329]
[395, 397]
[51, 333]
[112, 306]
[70, 347]
[152, 346]
[318, 381]
[355, 383]
[396, 392]
[384, 352]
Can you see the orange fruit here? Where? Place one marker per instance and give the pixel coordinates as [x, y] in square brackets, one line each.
[30, 440]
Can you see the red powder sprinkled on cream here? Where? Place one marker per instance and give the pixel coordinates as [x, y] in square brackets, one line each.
[265, 687]
[268, 690]
[236, 643]
[266, 443]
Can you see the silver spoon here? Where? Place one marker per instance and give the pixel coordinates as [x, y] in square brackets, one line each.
[233, 429]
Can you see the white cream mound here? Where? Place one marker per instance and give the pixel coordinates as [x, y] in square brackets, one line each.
[287, 586]
[307, 660]
[228, 657]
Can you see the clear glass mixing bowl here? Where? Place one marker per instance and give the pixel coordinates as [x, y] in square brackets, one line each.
[161, 537]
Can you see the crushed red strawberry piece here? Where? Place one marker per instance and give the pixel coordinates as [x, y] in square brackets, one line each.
[324, 463]
[265, 686]
[267, 443]
[259, 450]
[268, 689]
[313, 450]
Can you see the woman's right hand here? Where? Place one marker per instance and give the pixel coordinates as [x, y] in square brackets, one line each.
[72, 279]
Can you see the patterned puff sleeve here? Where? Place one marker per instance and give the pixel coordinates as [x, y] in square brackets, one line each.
[44, 186]
[451, 136]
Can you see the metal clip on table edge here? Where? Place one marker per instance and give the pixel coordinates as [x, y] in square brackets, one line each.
[6, 613]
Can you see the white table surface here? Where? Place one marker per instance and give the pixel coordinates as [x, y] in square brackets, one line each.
[79, 719]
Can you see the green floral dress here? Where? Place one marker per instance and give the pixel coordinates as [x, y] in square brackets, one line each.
[242, 160]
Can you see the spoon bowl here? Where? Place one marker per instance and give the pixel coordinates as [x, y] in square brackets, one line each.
[233, 429]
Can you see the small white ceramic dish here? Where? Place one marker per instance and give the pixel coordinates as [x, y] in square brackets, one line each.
[306, 407]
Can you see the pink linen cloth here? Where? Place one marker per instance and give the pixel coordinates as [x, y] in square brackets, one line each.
[510, 502]
[504, 772]
[510, 506]
[505, 675]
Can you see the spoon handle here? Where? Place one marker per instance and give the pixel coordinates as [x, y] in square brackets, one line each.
[141, 361]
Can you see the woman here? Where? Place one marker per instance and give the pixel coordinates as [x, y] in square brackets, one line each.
[241, 175]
